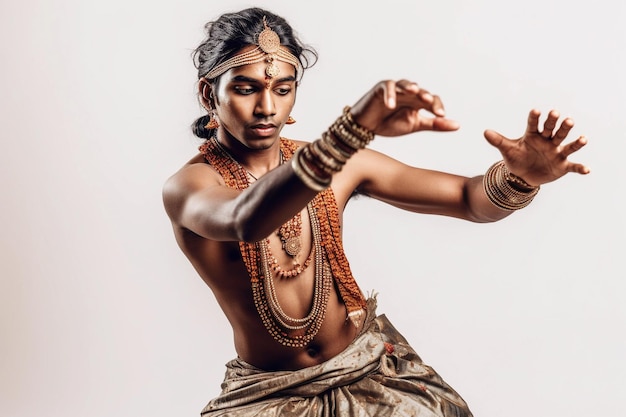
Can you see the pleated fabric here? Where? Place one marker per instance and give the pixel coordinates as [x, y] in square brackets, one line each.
[378, 374]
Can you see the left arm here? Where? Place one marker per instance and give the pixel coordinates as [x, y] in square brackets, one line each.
[538, 157]
[421, 190]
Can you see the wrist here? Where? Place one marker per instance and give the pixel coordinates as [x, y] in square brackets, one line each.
[506, 190]
[517, 182]
[316, 162]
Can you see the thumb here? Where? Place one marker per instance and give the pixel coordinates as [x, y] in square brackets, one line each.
[494, 138]
[441, 124]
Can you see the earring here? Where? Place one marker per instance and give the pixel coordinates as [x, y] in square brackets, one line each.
[213, 123]
[290, 121]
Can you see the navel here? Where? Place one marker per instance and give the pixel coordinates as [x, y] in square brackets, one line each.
[313, 350]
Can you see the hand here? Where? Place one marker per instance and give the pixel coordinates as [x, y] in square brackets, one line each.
[392, 108]
[538, 157]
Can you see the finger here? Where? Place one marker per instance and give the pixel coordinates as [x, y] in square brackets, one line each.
[425, 96]
[563, 131]
[574, 146]
[409, 92]
[533, 121]
[389, 94]
[578, 168]
[410, 87]
[549, 124]
[437, 107]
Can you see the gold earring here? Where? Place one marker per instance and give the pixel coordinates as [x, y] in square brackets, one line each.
[290, 121]
[213, 123]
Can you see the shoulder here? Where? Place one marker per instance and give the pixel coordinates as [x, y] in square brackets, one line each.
[192, 177]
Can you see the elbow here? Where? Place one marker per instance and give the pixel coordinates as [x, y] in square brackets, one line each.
[491, 216]
[247, 227]
[483, 219]
[248, 235]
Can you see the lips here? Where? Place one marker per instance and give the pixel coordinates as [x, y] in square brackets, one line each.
[264, 129]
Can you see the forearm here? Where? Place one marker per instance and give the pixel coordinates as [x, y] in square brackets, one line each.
[250, 212]
[497, 194]
[479, 208]
[310, 171]
[268, 203]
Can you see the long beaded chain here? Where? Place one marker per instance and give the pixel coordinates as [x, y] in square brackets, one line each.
[334, 265]
[275, 320]
[274, 317]
[290, 233]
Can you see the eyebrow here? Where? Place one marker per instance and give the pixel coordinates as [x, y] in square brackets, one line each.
[243, 78]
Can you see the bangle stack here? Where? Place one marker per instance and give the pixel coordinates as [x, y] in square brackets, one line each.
[316, 162]
[506, 190]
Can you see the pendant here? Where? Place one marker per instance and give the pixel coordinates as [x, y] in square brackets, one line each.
[292, 245]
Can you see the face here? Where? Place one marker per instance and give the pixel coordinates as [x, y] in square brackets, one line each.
[253, 108]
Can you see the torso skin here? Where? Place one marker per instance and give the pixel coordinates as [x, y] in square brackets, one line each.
[221, 267]
[219, 262]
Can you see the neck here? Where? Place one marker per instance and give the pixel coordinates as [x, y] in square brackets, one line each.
[257, 162]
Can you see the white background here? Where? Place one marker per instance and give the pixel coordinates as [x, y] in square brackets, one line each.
[100, 313]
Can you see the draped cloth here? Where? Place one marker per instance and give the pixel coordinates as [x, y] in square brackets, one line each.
[378, 374]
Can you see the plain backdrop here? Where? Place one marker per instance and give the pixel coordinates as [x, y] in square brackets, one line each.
[100, 313]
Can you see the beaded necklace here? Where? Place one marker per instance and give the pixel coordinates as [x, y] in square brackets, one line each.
[329, 258]
[289, 233]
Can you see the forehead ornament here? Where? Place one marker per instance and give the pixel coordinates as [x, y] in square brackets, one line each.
[268, 49]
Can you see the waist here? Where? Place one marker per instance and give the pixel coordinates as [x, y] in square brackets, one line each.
[259, 349]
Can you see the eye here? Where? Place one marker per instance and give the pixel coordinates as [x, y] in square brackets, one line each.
[244, 90]
[283, 91]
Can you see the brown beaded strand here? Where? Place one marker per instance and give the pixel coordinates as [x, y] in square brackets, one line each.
[334, 264]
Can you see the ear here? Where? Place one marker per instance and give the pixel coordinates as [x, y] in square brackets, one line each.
[206, 94]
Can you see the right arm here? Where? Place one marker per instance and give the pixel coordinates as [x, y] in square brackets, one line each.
[196, 198]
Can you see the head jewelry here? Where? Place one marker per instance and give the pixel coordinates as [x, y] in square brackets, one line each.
[268, 49]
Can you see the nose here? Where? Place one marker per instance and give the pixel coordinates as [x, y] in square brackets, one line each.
[265, 105]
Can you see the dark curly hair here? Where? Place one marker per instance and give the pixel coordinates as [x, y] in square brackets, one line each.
[233, 31]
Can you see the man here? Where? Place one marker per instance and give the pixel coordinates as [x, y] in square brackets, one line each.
[259, 217]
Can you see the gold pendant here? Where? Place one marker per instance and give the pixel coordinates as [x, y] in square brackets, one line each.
[292, 246]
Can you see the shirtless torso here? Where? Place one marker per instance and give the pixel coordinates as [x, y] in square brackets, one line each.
[220, 265]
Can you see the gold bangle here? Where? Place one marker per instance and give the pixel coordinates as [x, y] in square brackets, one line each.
[316, 162]
[311, 159]
[356, 128]
[517, 182]
[305, 174]
[502, 193]
[328, 161]
[328, 145]
[350, 133]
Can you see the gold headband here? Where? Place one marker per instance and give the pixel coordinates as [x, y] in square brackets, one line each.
[268, 49]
